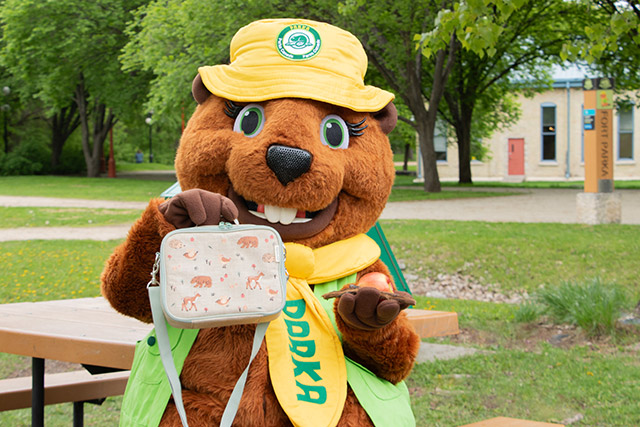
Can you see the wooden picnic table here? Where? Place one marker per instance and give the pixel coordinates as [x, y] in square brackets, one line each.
[85, 330]
[90, 332]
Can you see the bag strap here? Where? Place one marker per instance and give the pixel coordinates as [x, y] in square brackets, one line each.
[170, 369]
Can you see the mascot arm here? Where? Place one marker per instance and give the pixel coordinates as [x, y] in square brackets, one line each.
[376, 333]
[127, 271]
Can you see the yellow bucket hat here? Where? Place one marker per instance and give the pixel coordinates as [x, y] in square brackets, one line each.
[295, 58]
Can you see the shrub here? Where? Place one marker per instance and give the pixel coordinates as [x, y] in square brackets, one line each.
[528, 312]
[28, 158]
[594, 306]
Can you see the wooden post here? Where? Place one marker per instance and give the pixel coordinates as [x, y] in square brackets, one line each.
[598, 135]
[598, 204]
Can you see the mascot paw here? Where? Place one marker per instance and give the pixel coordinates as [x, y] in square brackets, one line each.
[198, 207]
[367, 309]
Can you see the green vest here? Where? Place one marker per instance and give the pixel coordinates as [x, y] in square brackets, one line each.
[148, 390]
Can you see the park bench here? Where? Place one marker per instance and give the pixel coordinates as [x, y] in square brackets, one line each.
[78, 387]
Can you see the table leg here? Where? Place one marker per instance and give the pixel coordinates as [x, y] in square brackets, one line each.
[78, 414]
[37, 392]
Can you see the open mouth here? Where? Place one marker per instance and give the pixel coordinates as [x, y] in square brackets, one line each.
[291, 223]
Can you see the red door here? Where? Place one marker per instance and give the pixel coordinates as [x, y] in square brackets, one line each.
[516, 156]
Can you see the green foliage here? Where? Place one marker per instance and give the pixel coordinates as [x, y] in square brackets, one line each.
[68, 50]
[608, 39]
[527, 312]
[28, 158]
[49, 44]
[496, 110]
[171, 39]
[129, 138]
[592, 305]
[71, 160]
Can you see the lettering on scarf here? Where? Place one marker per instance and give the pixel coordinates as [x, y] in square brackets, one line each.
[303, 353]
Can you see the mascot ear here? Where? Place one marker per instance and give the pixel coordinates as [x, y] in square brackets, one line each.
[199, 91]
[388, 117]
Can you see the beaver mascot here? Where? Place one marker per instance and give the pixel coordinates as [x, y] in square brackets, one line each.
[286, 135]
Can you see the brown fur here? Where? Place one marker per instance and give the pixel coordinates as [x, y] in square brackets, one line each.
[215, 158]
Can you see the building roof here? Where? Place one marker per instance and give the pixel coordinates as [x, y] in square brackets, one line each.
[570, 75]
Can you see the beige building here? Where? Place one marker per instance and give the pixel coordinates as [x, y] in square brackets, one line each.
[547, 142]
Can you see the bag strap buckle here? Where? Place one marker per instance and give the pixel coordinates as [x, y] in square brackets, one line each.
[154, 272]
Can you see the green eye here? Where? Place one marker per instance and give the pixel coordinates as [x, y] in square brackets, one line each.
[250, 120]
[334, 132]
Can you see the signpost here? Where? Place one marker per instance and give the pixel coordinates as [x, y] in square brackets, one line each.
[598, 204]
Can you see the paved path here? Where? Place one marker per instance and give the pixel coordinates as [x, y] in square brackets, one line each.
[23, 201]
[535, 205]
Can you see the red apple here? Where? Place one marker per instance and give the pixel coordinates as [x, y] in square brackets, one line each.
[380, 281]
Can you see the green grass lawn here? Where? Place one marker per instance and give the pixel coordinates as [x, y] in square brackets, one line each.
[516, 255]
[82, 188]
[516, 378]
[40, 270]
[518, 374]
[12, 217]
[548, 384]
[142, 190]
[136, 167]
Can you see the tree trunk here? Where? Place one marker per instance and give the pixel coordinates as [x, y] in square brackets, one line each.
[426, 119]
[407, 156]
[463, 134]
[63, 124]
[93, 144]
[461, 116]
[430, 168]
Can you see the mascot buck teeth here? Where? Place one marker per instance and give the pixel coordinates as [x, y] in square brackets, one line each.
[286, 135]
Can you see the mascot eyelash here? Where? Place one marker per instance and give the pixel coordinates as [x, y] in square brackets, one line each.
[232, 110]
[356, 129]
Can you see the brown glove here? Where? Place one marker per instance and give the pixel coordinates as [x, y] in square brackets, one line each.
[198, 207]
[368, 310]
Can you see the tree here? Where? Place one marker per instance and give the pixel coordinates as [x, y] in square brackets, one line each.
[522, 46]
[172, 38]
[67, 51]
[609, 40]
[414, 46]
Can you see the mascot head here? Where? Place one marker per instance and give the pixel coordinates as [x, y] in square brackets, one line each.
[289, 131]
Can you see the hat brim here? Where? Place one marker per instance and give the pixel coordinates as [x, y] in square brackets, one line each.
[257, 84]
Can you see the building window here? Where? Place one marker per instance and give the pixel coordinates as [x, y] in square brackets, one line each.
[548, 132]
[440, 141]
[625, 134]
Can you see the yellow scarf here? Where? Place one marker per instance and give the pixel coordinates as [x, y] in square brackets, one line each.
[306, 362]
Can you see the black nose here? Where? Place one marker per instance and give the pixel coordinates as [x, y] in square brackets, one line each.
[288, 163]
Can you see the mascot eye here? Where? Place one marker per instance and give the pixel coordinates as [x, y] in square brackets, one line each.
[334, 132]
[250, 120]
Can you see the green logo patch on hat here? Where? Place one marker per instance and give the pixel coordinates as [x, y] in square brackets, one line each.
[298, 42]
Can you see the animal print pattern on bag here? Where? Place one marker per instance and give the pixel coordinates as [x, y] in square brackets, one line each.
[211, 274]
